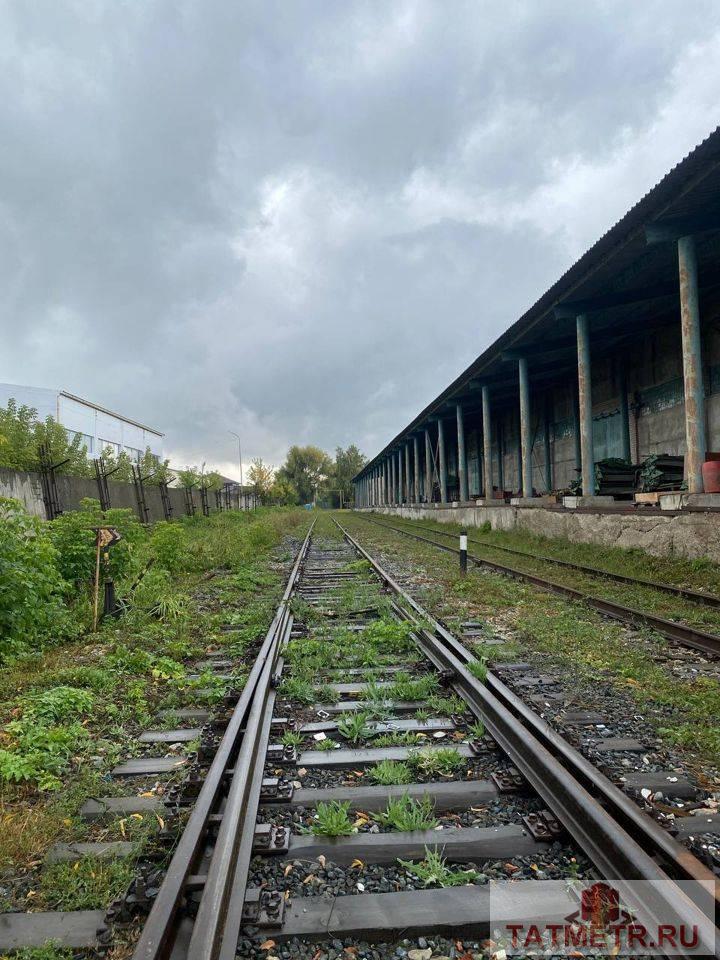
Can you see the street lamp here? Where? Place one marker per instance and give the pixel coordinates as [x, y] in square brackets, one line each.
[239, 457]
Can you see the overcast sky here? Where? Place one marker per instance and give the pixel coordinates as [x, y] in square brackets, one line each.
[300, 220]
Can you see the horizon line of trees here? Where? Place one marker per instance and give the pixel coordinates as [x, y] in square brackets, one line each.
[309, 475]
[22, 436]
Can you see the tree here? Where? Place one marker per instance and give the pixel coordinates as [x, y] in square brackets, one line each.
[261, 477]
[213, 480]
[189, 477]
[22, 434]
[307, 470]
[347, 464]
[283, 493]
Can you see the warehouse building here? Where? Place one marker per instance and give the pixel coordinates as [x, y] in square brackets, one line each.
[620, 358]
[97, 427]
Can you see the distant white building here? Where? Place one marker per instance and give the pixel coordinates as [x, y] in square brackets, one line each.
[98, 428]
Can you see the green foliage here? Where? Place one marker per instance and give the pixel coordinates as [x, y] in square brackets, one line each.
[354, 726]
[190, 477]
[169, 546]
[347, 464]
[291, 738]
[479, 669]
[296, 688]
[86, 884]
[261, 477]
[391, 772]
[22, 434]
[332, 820]
[403, 813]
[58, 704]
[446, 761]
[434, 871]
[307, 470]
[326, 744]
[477, 730]
[32, 612]
[50, 951]
[36, 754]
[406, 688]
[73, 534]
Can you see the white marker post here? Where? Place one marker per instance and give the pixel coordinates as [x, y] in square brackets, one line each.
[463, 552]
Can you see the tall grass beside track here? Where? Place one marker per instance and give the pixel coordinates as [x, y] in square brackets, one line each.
[72, 702]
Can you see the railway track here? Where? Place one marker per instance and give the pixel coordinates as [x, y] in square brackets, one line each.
[363, 717]
[676, 632]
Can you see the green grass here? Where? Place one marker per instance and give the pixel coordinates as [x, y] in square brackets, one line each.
[404, 814]
[573, 636]
[445, 761]
[391, 773]
[68, 714]
[332, 820]
[353, 726]
[433, 871]
[86, 884]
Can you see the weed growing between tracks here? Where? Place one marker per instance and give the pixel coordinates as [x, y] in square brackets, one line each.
[575, 637]
[71, 713]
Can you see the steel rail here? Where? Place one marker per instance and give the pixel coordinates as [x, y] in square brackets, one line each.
[682, 633]
[683, 593]
[238, 746]
[618, 854]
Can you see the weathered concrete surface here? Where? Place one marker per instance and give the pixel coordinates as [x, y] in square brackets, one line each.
[26, 488]
[691, 535]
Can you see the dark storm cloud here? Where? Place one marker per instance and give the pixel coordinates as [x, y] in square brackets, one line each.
[299, 220]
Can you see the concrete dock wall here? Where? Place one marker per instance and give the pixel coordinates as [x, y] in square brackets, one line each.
[685, 534]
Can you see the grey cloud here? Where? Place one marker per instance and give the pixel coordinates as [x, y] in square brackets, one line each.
[301, 219]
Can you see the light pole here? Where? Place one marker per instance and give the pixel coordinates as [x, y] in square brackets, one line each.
[239, 458]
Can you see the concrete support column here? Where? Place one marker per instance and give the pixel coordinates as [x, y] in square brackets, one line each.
[386, 484]
[393, 480]
[585, 405]
[525, 430]
[576, 427]
[428, 468]
[695, 440]
[625, 451]
[416, 470]
[408, 485]
[401, 484]
[462, 458]
[546, 443]
[442, 462]
[500, 432]
[487, 443]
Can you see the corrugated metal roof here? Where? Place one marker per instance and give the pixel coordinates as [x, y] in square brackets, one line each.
[669, 192]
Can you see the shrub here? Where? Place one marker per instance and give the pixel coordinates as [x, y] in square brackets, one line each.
[58, 705]
[73, 535]
[169, 546]
[32, 611]
[37, 754]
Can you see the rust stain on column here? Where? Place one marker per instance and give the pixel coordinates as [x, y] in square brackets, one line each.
[692, 365]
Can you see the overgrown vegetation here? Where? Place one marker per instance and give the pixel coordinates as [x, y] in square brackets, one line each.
[573, 635]
[22, 435]
[72, 702]
[403, 813]
[332, 820]
[434, 871]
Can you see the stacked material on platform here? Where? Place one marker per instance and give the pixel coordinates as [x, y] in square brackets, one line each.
[613, 478]
[662, 471]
